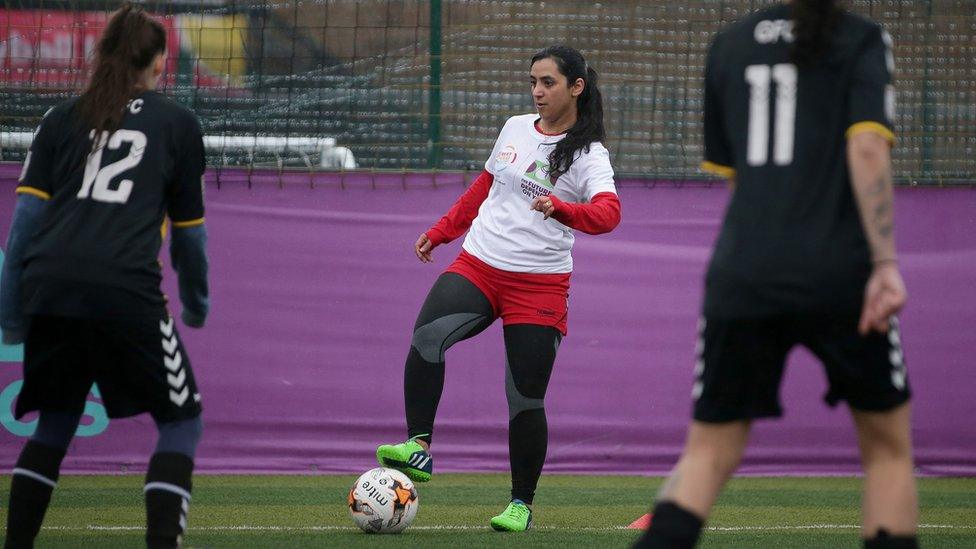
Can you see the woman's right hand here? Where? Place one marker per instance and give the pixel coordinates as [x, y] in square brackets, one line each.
[423, 248]
[884, 296]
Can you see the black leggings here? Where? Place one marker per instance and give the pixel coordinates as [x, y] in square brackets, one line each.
[455, 309]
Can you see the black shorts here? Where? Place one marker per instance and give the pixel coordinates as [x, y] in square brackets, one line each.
[139, 365]
[739, 365]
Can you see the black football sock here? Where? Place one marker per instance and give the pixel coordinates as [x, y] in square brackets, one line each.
[33, 480]
[167, 490]
[671, 528]
[884, 540]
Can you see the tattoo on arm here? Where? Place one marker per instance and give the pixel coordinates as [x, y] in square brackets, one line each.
[876, 205]
[883, 222]
[885, 230]
[871, 179]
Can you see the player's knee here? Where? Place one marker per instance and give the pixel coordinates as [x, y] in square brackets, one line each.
[720, 461]
[181, 437]
[721, 464]
[433, 339]
[884, 437]
[727, 464]
[886, 448]
[519, 402]
[428, 343]
[56, 429]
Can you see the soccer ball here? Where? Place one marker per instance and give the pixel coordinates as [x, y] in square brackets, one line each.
[383, 501]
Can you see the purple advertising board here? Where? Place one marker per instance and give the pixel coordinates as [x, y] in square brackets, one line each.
[315, 289]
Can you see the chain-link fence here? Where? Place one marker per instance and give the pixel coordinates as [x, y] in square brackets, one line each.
[403, 93]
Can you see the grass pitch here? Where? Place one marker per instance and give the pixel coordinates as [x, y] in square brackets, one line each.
[584, 511]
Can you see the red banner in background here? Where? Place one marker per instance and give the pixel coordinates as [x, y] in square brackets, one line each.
[51, 50]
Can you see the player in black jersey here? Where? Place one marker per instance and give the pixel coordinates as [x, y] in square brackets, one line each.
[798, 108]
[81, 279]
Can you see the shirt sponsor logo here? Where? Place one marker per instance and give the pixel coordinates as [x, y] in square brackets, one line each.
[506, 157]
[536, 180]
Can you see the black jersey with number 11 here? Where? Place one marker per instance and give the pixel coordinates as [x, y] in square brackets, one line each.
[792, 239]
[96, 253]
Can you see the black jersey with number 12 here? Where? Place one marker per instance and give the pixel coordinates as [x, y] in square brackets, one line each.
[792, 239]
[96, 253]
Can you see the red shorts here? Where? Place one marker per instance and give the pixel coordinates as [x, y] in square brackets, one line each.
[519, 298]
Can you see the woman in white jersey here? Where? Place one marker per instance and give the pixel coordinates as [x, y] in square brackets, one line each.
[549, 173]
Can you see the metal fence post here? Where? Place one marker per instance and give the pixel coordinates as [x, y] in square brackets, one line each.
[434, 98]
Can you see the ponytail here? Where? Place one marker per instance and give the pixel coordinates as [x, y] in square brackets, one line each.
[813, 23]
[589, 108]
[130, 42]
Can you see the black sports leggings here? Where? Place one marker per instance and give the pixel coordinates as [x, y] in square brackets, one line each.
[455, 309]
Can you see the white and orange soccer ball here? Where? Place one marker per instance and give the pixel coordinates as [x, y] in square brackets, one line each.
[383, 501]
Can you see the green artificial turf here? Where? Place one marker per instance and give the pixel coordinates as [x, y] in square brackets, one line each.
[583, 511]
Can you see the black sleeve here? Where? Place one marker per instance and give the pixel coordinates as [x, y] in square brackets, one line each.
[186, 189]
[871, 99]
[36, 178]
[26, 219]
[188, 249]
[718, 153]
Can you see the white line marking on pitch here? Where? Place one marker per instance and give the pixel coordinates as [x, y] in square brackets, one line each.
[237, 528]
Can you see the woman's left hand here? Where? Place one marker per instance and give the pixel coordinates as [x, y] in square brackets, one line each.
[543, 204]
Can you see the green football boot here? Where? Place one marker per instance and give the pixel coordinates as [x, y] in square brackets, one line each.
[517, 517]
[408, 457]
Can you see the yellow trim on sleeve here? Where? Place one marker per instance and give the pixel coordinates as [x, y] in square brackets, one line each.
[718, 169]
[875, 127]
[24, 189]
[185, 224]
